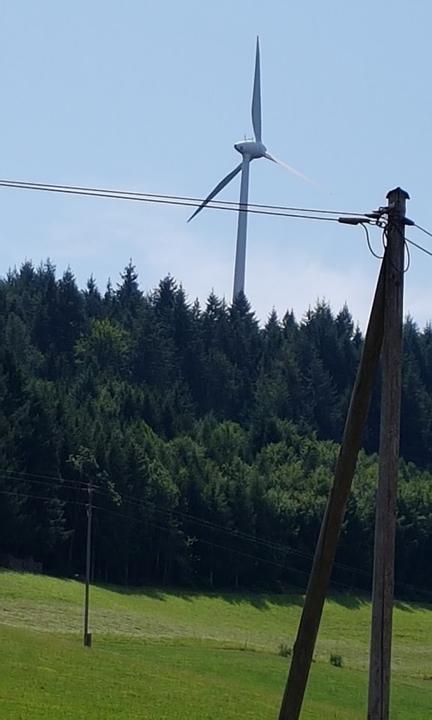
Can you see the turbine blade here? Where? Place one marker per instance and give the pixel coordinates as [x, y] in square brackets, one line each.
[217, 189]
[291, 169]
[256, 96]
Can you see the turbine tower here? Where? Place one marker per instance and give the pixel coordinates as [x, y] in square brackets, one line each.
[249, 150]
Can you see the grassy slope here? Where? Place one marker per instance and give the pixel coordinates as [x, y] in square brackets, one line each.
[182, 655]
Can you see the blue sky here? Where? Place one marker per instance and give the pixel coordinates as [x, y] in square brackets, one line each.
[152, 96]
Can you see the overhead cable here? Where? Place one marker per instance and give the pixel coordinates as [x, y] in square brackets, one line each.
[372, 251]
[419, 227]
[260, 209]
[419, 247]
[184, 517]
[235, 551]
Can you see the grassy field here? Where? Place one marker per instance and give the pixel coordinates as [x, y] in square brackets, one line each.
[174, 655]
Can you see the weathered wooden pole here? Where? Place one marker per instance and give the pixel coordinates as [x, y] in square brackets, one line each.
[87, 634]
[385, 527]
[335, 510]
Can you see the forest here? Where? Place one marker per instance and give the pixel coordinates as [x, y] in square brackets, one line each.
[206, 441]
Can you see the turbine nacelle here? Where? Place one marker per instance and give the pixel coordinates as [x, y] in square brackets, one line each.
[252, 148]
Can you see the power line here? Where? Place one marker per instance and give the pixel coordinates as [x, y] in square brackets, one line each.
[419, 247]
[27, 496]
[371, 250]
[211, 525]
[239, 534]
[427, 232]
[128, 193]
[404, 239]
[184, 516]
[235, 551]
[195, 520]
[186, 201]
[187, 517]
[170, 513]
[60, 481]
[242, 553]
[166, 528]
[61, 485]
[408, 254]
[259, 209]
[30, 474]
[211, 543]
[147, 523]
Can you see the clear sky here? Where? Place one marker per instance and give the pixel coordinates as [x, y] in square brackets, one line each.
[151, 96]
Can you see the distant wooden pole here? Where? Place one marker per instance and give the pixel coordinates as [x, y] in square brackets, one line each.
[335, 511]
[87, 635]
[384, 553]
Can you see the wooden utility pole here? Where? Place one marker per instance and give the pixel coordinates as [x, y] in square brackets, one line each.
[87, 635]
[335, 510]
[385, 527]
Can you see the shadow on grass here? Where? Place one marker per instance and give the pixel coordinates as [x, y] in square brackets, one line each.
[412, 606]
[258, 600]
[350, 601]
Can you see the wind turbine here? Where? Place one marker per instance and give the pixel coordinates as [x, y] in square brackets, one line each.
[249, 150]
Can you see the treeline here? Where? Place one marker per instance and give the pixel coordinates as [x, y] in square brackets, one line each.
[210, 441]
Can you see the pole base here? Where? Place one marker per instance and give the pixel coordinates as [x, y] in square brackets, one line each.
[88, 640]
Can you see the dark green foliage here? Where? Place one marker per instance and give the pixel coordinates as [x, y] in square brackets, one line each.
[211, 441]
[336, 660]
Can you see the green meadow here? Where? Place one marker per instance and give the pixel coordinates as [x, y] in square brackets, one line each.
[161, 654]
